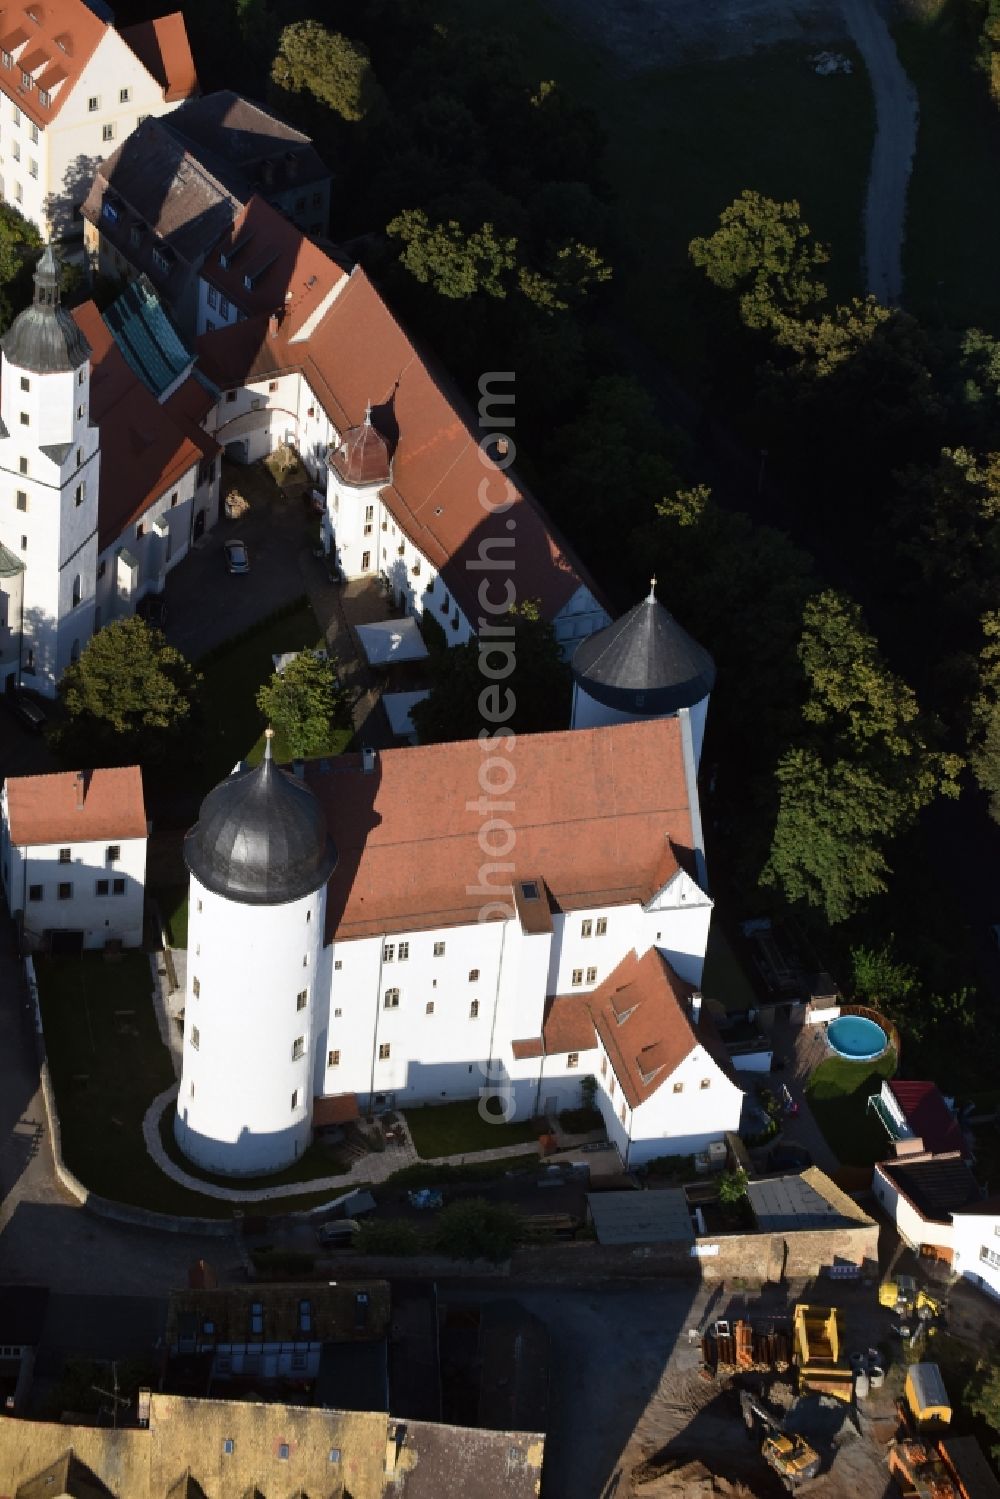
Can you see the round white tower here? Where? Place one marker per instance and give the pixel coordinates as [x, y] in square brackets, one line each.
[644, 665]
[259, 859]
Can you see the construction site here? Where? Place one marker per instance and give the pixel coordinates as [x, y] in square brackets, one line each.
[839, 1399]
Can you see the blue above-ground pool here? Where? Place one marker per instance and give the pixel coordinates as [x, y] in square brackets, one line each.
[857, 1038]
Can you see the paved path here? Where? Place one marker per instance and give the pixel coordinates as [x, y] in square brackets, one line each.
[803, 1047]
[370, 1168]
[892, 157]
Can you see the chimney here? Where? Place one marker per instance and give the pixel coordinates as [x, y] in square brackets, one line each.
[274, 322]
[81, 789]
[696, 1008]
[368, 761]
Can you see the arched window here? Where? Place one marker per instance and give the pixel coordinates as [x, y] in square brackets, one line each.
[77, 590]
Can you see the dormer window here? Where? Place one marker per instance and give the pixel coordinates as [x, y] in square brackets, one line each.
[26, 79]
[7, 59]
[160, 261]
[44, 98]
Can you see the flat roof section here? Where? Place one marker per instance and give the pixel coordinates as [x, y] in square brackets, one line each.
[657, 1216]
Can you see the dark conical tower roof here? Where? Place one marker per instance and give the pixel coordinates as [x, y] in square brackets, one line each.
[644, 663]
[44, 338]
[261, 838]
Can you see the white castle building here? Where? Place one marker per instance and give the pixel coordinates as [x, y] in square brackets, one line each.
[455, 920]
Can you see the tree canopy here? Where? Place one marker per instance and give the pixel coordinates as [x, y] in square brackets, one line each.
[764, 251]
[305, 702]
[524, 669]
[326, 66]
[130, 697]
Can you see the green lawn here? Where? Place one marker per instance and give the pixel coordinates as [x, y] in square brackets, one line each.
[953, 223]
[457, 1128]
[838, 1093]
[108, 1064]
[683, 142]
[173, 902]
[233, 673]
[318, 1161]
[724, 979]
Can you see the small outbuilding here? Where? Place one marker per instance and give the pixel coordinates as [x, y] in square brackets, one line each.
[653, 1217]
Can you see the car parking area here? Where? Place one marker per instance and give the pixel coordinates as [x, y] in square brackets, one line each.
[207, 603]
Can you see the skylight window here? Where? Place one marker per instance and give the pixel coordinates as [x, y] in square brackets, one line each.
[529, 889]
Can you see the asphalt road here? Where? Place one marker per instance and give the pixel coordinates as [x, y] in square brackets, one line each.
[892, 156]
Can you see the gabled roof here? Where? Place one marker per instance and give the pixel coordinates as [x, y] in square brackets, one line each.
[927, 1114]
[247, 147]
[49, 809]
[69, 1478]
[286, 269]
[642, 1014]
[568, 1024]
[447, 495]
[163, 48]
[145, 447]
[58, 44]
[936, 1185]
[154, 191]
[593, 811]
[146, 338]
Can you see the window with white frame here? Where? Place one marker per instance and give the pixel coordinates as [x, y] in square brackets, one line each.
[391, 999]
[586, 928]
[601, 927]
[573, 1059]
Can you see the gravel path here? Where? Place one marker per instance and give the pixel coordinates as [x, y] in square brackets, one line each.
[892, 157]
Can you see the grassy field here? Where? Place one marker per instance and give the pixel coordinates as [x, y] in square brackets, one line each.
[173, 901]
[233, 673]
[108, 1064]
[953, 223]
[684, 142]
[457, 1128]
[318, 1161]
[838, 1094]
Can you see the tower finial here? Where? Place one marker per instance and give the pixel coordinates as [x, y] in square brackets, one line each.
[268, 736]
[46, 278]
[652, 590]
[368, 413]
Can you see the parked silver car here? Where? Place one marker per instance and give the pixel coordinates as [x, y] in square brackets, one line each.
[237, 557]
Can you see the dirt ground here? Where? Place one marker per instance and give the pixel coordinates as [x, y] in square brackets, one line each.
[663, 33]
[691, 1441]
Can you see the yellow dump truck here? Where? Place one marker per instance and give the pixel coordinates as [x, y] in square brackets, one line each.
[926, 1397]
[819, 1351]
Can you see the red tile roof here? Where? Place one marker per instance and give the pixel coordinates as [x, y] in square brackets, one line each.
[568, 1024]
[60, 44]
[445, 492]
[592, 814]
[292, 273]
[524, 1050]
[342, 1108]
[145, 446]
[163, 48]
[927, 1114]
[46, 809]
[641, 1013]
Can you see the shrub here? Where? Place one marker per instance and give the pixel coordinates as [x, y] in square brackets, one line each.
[289, 1262]
[578, 1121]
[677, 1167]
[476, 1230]
[392, 1236]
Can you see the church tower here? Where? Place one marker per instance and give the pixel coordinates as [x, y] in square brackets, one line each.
[49, 475]
[259, 857]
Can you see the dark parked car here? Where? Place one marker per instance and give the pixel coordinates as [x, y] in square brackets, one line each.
[788, 1158]
[28, 710]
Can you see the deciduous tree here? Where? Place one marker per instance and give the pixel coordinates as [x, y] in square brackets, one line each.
[305, 702]
[129, 697]
[763, 251]
[327, 67]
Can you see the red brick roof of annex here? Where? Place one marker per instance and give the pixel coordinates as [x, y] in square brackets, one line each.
[146, 446]
[46, 810]
[287, 268]
[593, 811]
[446, 494]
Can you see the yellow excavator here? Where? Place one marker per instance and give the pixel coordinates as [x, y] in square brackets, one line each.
[788, 1453]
